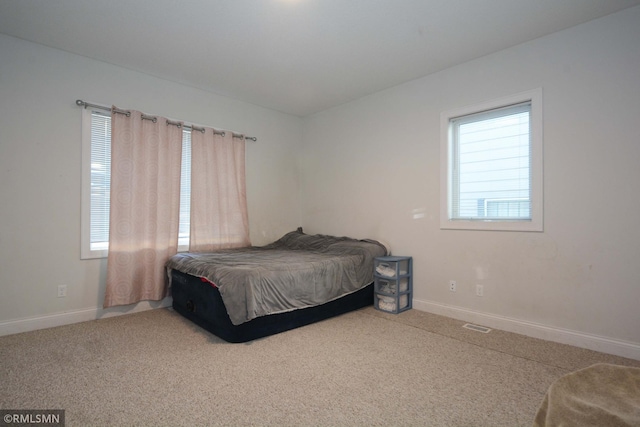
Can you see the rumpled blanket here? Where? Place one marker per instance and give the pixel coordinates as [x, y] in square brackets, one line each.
[296, 271]
[601, 395]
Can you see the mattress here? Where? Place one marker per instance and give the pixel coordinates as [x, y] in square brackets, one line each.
[296, 271]
[245, 293]
[199, 301]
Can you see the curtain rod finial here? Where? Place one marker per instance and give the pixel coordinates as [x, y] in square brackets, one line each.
[79, 102]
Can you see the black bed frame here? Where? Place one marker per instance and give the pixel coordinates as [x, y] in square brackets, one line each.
[201, 303]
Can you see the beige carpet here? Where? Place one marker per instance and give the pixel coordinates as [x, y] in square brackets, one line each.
[365, 368]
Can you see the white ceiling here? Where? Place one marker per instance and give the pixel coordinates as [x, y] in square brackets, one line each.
[295, 56]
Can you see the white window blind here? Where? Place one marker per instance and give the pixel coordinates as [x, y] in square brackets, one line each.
[100, 181]
[185, 192]
[491, 164]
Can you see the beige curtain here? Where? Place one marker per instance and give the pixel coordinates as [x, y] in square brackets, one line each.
[145, 206]
[219, 218]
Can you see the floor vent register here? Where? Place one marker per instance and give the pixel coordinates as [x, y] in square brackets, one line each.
[477, 328]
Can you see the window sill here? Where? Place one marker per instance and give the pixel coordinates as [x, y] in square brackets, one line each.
[495, 225]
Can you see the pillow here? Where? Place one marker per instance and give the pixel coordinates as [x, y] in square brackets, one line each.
[386, 246]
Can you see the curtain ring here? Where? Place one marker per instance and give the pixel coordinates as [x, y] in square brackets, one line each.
[153, 119]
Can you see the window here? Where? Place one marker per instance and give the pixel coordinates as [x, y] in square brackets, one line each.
[491, 156]
[96, 179]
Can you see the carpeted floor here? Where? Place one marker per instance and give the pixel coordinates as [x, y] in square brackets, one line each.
[364, 368]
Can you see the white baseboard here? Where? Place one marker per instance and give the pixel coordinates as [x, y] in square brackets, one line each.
[616, 347]
[75, 316]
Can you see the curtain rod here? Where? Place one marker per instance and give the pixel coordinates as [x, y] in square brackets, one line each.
[81, 103]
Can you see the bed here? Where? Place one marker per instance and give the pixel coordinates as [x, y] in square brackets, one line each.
[247, 293]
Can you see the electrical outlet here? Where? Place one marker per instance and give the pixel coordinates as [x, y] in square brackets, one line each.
[479, 290]
[453, 285]
[62, 291]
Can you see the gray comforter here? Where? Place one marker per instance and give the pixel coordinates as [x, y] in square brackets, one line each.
[296, 271]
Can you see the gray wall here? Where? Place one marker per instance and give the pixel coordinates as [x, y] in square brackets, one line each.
[40, 170]
[371, 168]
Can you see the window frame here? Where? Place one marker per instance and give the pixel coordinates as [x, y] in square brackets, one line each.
[534, 224]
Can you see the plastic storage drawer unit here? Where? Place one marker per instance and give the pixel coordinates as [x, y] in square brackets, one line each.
[393, 283]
